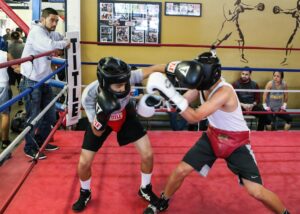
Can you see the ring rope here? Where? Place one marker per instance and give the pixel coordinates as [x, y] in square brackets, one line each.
[222, 68]
[238, 90]
[192, 46]
[33, 122]
[25, 59]
[33, 163]
[30, 89]
[244, 112]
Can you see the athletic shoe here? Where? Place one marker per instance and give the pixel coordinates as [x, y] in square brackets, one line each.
[84, 198]
[51, 147]
[33, 154]
[147, 194]
[160, 205]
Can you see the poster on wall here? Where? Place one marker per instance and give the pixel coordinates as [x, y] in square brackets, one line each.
[182, 9]
[129, 23]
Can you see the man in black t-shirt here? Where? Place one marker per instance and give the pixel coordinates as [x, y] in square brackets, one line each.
[250, 101]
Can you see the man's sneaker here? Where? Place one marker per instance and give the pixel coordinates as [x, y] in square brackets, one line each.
[84, 198]
[147, 194]
[160, 205]
[51, 147]
[33, 154]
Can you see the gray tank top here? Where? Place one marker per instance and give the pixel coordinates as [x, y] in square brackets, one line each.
[275, 99]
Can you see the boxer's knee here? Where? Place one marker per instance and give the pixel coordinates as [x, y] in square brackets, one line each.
[183, 170]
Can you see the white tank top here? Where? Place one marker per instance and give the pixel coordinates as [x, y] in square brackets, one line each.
[229, 121]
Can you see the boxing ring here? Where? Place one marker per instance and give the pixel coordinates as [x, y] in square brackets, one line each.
[51, 186]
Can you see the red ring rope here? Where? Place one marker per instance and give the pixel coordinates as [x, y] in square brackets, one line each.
[33, 163]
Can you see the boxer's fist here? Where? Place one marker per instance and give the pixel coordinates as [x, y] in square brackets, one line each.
[188, 73]
[260, 6]
[147, 105]
[276, 9]
[157, 81]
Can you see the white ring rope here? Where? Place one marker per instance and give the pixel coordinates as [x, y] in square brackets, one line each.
[33, 122]
[241, 90]
[238, 90]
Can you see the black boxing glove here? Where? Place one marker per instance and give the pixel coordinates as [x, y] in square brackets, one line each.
[276, 9]
[188, 73]
[106, 104]
[260, 6]
[170, 73]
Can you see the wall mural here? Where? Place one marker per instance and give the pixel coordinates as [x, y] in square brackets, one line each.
[231, 27]
[295, 13]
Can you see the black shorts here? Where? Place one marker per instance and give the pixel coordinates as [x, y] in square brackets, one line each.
[131, 131]
[241, 162]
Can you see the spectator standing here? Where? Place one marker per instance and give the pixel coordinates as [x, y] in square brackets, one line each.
[15, 49]
[5, 95]
[6, 37]
[22, 37]
[250, 101]
[41, 38]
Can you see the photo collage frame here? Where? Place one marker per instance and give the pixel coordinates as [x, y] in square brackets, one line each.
[129, 23]
[183, 9]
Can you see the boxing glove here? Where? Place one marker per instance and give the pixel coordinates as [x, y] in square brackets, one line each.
[276, 9]
[260, 6]
[188, 73]
[158, 81]
[147, 105]
[106, 104]
[170, 72]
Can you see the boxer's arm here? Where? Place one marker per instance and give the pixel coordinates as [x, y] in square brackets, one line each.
[289, 11]
[191, 95]
[159, 82]
[219, 100]
[154, 68]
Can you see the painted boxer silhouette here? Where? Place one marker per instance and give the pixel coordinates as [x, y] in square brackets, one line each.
[295, 12]
[231, 26]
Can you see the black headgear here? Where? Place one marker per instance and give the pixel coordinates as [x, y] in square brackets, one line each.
[211, 68]
[111, 70]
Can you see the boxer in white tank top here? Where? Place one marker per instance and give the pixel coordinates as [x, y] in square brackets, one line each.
[227, 136]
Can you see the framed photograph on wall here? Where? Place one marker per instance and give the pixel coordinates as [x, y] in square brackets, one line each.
[183, 9]
[131, 23]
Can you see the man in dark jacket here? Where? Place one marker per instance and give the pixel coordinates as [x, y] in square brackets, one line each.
[250, 101]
